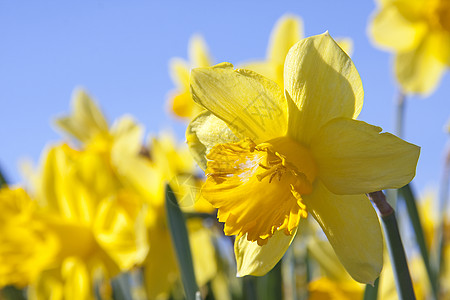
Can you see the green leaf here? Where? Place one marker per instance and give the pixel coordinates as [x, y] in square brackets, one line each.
[270, 285]
[408, 195]
[180, 239]
[11, 292]
[121, 287]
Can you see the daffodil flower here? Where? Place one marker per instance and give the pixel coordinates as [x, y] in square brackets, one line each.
[180, 100]
[418, 32]
[271, 159]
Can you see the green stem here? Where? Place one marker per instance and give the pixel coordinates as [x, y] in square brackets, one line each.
[399, 114]
[371, 292]
[443, 199]
[413, 214]
[403, 280]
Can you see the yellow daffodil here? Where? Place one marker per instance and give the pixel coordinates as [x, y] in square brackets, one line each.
[298, 153]
[180, 100]
[287, 31]
[418, 32]
[87, 201]
[27, 247]
[95, 230]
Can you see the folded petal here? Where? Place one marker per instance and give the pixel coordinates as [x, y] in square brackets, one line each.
[205, 131]
[420, 70]
[287, 31]
[352, 228]
[354, 158]
[321, 84]
[256, 260]
[251, 105]
[392, 28]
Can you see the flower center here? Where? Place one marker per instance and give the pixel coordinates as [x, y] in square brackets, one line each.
[258, 188]
[287, 159]
[438, 14]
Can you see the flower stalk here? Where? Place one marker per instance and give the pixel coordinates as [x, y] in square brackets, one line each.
[395, 246]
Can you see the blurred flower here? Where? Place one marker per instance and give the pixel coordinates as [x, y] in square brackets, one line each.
[175, 166]
[418, 32]
[180, 99]
[26, 245]
[85, 201]
[333, 282]
[303, 153]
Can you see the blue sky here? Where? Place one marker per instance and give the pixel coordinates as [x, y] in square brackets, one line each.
[119, 52]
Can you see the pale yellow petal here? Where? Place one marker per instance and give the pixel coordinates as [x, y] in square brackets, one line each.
[203, 133]
[198, 52]
[391, 29]
[268, 69]
[251, 105]
[179, 71]
[346, 44]
[420, 70]
[352, 228]
[86, 119]
[353, 157]
[321, 83]
[287, 31]
[256, 260]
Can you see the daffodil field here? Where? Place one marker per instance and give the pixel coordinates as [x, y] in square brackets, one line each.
[278, 191]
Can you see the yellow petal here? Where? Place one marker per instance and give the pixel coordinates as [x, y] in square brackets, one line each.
[204, 132]
[203, 254]
[122, 236]
[354, 158]
[390, 28]
[86, 119]
[251, 105]
[160, 267]
[352, 228]
[346, 44]
[268, 69]
[256, 260]
[324, 288]
[198, 52]
[321, 83]
[179, 71]
[287, 31]
[420, 70]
